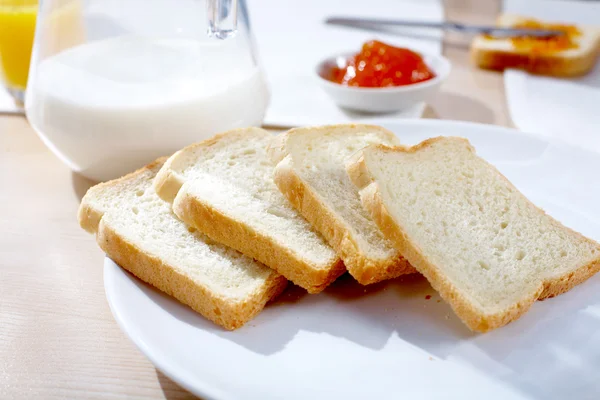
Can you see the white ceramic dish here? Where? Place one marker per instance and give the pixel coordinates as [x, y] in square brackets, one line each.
[387, 340]
[382, 100]
[566, 109]
[292, 38]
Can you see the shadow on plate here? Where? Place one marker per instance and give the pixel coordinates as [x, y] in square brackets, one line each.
[443, 105]
[461, 108]
[358, 114]
[539, 354]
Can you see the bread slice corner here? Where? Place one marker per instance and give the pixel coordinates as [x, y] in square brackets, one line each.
[224, 187]
[139, 232]
[310, 172]
[482, 245]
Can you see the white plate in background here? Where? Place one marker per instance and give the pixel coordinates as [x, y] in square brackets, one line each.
[387, 340]
[568, 109]
[292, 39]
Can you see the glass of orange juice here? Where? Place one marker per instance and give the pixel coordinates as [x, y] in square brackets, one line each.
[17, 28]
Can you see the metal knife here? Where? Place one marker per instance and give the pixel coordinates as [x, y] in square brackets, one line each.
[446, 26]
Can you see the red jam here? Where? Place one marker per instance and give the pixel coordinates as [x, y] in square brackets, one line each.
[550, 44]
[381, 65]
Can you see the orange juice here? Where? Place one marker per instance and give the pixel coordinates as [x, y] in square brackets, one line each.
[17, 27]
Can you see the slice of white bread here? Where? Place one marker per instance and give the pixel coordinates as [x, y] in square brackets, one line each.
[311, 173]
[139, 232]
[482, 245]
[498, 54]
[224, 187]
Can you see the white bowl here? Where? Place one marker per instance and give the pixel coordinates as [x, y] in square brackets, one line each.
[387, 99]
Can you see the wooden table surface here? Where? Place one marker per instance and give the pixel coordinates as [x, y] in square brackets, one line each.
[58, 338]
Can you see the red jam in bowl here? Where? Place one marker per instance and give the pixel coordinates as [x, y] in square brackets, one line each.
[381, 65]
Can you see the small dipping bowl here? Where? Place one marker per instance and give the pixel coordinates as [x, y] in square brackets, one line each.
[384, 99]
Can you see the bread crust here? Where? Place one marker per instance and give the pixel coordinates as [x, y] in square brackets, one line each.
[167, 183]
[551, 64]
[238, 235]
[230, 232]
[364, 269]
[151, 269]
[371, 199]
[88, 216]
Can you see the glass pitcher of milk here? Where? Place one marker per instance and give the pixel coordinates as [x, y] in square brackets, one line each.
[115, 84]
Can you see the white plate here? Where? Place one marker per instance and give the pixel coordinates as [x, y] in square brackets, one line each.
[567, 109]
[388, 340]
[382, 100]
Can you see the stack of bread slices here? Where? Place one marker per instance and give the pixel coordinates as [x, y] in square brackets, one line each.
[224, 224]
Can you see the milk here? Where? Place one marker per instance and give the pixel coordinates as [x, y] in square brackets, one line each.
[110, 106]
